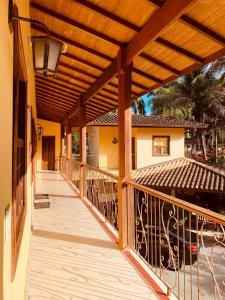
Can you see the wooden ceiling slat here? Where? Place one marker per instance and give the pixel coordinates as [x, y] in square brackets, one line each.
[58, 114]
[47, 118]
[74, 43]
[73, 84]
[168, 13]
[73, 68]
[203, 30]
[56, 90]
[146, 75]
[180, 50]
[53, 97]
[107, 14]
[76, 24]
[62, 82]
[106, 96]
[101, 103]
[159, 63]
[53, 101]
[53, 107]
[105, 99]
[83, 61]
[75, 77]
[56, 95]
[58, 87]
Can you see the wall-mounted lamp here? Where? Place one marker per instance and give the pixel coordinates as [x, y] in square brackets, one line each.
[115, 140]
[40, 131]
[46, 50]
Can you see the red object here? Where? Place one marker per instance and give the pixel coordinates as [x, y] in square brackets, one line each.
[193, 249]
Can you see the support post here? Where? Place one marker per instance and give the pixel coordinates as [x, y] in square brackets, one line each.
[68, 149]
[62, 147]
[83, 148]
[125, 135]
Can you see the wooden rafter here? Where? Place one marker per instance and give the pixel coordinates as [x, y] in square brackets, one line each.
[74, 23]
[62, 83]
[56, 91]
[56, 95]
[57, 87]
[107, 14]
[180, 50]
[83, 61]
[212, 35]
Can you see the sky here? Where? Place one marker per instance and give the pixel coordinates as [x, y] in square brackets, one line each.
[148, 107]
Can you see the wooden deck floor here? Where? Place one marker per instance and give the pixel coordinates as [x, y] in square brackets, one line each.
[72, 257]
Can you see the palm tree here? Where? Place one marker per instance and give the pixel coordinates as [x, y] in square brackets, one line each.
[139, 107]
[199, 96]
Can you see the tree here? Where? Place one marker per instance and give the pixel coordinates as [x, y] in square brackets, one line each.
[138, 106]
[199, 96]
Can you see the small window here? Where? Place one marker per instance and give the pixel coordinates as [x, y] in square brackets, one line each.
[161, 145]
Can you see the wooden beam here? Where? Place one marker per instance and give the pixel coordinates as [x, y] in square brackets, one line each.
[212, 35]
[101, 81]
[179, 50]
[168, 13]
[74, 43]
[83, 61]
[58, 87]
[124, 146]
[74, 23]
[146, 75]
[107, 14]
[156, 24]
[159, 63]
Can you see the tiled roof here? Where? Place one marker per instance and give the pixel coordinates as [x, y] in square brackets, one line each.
[182, 173]
[111, 119]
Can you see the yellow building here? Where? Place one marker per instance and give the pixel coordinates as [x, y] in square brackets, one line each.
[154, 140]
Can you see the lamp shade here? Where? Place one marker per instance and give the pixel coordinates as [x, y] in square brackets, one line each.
[46, 54]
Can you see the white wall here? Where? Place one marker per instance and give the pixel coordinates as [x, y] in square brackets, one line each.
[144, 145]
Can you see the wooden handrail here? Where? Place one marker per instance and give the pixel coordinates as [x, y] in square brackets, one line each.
[100, 171]
[206, 213]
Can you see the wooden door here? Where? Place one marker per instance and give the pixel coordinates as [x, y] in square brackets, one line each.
[48, 153]
[133, 154]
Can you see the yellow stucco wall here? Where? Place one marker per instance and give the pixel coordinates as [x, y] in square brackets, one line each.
[49, 129]
[108, 152]
[13, 290]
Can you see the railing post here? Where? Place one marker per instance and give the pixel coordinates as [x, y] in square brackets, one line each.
[131, 216]
[83, 148]
[125, 134]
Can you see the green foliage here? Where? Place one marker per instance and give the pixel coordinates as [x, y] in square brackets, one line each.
[75, 142]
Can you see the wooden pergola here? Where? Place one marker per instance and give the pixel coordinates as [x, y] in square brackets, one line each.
[117, 51]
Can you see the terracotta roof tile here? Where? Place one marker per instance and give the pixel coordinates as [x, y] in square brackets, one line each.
[111, 119]
[182, 173]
